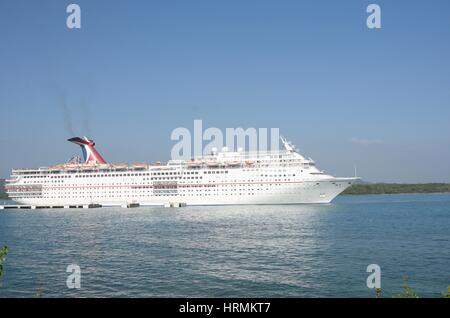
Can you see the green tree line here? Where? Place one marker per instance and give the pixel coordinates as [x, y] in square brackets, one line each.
[2, 191]
[393, 188]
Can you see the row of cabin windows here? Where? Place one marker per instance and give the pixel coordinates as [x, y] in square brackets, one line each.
[136, 174]
[126, 194]
[115, 175]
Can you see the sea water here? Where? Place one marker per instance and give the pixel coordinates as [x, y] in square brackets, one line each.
[231, 251]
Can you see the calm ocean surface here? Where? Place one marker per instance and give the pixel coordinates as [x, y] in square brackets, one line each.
[241, 251]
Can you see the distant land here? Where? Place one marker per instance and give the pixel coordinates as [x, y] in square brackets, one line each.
[2, 192]
[361, 188]
[397, 188]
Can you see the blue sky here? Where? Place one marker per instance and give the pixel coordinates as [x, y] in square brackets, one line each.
[136, 70]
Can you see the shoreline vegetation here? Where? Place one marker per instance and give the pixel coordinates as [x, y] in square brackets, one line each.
[360, 188]
[3, 195]
[396, 188]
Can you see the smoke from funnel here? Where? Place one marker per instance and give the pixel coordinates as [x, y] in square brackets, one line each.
[85, 117]
[70, 107]
[67, 116]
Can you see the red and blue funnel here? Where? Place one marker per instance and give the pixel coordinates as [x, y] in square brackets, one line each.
[90, 154]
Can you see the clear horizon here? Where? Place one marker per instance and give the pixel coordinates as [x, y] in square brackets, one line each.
[344, 94]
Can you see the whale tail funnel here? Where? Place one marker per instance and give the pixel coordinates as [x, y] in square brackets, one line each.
[90, 154]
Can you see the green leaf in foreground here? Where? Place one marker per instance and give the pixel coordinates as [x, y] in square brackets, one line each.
[39, 293]
[447, 294]
[408, 292]
[3, 252]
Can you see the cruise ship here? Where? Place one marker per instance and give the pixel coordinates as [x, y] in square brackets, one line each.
[219, 178]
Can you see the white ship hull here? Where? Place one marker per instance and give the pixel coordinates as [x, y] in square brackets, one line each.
[282, 177]
[302, 193]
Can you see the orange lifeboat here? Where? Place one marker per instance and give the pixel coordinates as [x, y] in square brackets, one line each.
[233, 163]
[212, 164]
[194, 163]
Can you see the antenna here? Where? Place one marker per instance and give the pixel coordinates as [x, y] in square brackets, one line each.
[354, 166]
[287, 144]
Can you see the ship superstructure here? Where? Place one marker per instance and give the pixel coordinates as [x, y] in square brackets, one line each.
[220, 178]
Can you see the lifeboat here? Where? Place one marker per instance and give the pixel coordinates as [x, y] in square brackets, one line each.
[249, 162]
[194, 163]
[233, 163]
[213, 164]
[68, 166]
[120, 166]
